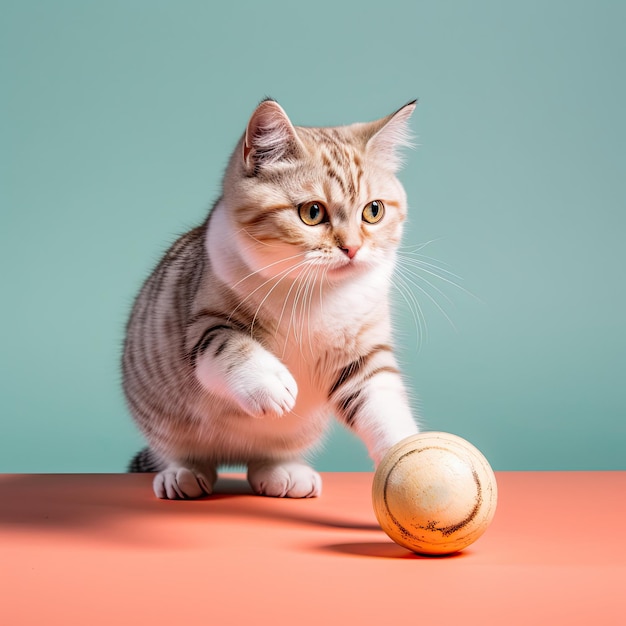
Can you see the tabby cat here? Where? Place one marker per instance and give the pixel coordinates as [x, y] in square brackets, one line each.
[273, 315]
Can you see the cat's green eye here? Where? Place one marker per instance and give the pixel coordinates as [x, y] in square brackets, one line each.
[312, 213]
[373, 212]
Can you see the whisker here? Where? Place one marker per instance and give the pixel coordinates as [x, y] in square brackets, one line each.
[282, 312]
[265, 267]
[409, 271]
[324, 270]
[263, 243]
[429, 269]
[297, 284]
[301, 296]
[282, 275]
[311, 280]
[413, 304]
[278, 278]
[433, 266]
[413, 282]
[413, 251]
[420, 246]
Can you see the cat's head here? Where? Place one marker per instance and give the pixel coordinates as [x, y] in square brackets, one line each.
[321, 201]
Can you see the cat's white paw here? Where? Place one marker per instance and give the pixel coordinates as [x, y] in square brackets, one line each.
[285, 480]
[263, 386]
[180, 483]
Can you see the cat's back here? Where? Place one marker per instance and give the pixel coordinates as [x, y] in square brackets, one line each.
[154, 343]
[174, 279]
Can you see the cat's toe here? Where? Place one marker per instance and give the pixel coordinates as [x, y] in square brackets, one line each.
[288, 480]
[269, 390]
[180, 483]
[279, 395]
[191, 484]
[307, 485]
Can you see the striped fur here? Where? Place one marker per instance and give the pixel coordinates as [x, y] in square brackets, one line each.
[257, 326]
[145, 461]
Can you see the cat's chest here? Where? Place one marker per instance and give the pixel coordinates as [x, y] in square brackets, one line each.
[317, 343]
[333, 324]
[318, 329]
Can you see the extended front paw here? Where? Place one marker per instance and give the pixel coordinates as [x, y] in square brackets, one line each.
[263, 386]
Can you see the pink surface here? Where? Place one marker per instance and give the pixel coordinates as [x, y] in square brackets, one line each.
[100, 549]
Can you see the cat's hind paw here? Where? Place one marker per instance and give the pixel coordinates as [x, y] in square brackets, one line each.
[285, 480]
[181, 483]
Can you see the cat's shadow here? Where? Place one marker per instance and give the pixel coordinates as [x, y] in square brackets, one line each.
[228, 488]
[84, 504]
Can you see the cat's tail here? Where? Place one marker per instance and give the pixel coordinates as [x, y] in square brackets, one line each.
[145, 461]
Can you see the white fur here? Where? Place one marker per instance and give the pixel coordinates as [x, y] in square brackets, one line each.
[261, 385]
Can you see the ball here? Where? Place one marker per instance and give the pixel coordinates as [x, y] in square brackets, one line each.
[434, 493]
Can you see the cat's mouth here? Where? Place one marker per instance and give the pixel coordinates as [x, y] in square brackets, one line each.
[338, 268]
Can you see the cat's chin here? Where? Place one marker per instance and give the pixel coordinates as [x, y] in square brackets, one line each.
[347, 270]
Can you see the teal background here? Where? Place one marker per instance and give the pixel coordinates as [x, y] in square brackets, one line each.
[117, 119]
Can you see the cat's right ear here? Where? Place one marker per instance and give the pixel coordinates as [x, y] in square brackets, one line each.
[270, 137]
[391, 133]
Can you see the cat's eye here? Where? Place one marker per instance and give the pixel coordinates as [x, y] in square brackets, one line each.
[373, 212]
[312, 213]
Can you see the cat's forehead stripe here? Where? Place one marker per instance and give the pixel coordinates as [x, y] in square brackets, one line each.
[341, 163]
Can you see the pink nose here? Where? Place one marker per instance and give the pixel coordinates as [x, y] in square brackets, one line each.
[349, 251]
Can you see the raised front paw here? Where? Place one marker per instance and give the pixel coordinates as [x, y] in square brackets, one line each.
[263, 386]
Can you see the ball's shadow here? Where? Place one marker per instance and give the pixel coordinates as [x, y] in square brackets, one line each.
[386, 550]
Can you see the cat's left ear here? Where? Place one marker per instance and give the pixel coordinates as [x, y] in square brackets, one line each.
[390, 134]
[270, 137]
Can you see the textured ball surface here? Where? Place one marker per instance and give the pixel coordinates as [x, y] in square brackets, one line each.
[434, 493]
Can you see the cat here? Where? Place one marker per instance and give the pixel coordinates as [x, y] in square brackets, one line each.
[273, 315]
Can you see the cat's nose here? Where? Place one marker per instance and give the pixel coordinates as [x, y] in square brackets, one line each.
[349, 251]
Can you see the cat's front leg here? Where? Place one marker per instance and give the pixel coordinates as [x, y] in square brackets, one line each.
[232, 365]
[369, 397]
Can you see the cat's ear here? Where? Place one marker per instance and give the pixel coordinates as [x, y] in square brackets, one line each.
[390, 134]
[270, 137]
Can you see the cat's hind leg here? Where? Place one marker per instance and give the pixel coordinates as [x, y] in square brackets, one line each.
[284, 479]
[179, 482]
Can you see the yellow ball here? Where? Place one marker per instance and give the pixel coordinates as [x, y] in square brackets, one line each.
[434, 493]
